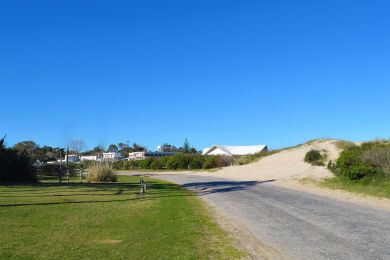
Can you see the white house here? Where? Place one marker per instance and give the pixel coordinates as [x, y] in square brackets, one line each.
[233, 150]
[111, 156]
[88, 158]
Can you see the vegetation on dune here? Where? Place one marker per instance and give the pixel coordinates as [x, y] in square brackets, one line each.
[315, 158]
[253, 157]
[364, 161]
[364, 168]
[108, 221]
[344, 145]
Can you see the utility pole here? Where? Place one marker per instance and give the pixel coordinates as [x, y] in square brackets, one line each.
[67, 163]
[60, 165]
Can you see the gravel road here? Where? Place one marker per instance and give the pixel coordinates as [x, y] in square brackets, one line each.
[297, 224]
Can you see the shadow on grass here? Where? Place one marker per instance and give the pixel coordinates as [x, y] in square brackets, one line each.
[156, 190]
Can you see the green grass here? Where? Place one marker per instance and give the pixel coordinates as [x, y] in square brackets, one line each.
[108, 221]
[377, 186]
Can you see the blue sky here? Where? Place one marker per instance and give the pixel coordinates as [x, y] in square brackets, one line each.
[217, 72]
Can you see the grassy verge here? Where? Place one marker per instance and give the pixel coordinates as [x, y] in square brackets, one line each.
[107, 221]
[376, 186]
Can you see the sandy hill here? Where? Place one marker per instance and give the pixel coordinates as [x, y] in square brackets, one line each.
[285, 165]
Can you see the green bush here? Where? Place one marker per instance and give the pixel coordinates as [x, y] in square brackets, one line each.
[211, 162]
[196, 162]
[172, 163]
[156, 164]
[351, 165]
[100, 172]
[217, 161]
[314, 157]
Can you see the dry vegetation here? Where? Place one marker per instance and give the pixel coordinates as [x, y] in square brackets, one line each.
[100, 172]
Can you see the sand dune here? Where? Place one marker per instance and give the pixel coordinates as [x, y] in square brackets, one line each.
[284, 165]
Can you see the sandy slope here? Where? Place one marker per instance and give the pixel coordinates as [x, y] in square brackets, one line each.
[285, 165]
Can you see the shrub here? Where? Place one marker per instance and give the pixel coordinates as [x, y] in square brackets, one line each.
[145, 164]
[379, 158]
[196, 162]
[351, 165]
[156, 164]
[314, 157]
[211, 162]
[172, 163]
[176, 162]
[217, 161]
[15, 166]
[100, 172]
[374, 145]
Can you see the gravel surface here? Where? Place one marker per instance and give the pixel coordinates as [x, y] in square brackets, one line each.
[297, 224]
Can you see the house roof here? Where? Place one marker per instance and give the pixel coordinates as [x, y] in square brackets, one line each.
[234, 149]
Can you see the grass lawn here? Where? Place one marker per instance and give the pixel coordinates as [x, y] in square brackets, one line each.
[379, 187]
[108, 221]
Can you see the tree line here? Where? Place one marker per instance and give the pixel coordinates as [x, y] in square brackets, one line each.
[48, 153]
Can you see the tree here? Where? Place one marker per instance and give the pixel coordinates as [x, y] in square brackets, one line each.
[124, 149]
[28, 147]
[186, 146]
[137, 148]
[193, 150]
[112, 148]
[168, 148]
[15, 165]
[97, 150]
[122, 145]
[48, 153]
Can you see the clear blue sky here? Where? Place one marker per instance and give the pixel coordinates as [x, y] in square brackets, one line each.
[217, 72]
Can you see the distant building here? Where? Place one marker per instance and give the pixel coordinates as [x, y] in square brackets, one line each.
[111, 156]
[231, 150]
[165, 148]
[88, 158]
[145, 155]
[72, 158]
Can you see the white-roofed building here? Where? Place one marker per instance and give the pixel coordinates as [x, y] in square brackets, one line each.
[88, 158]
[111, 156]
[234, 150]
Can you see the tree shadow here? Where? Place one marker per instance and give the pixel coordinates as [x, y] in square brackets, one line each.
[74, 202]
[155, 190]
[54, 190]
[205, 188]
